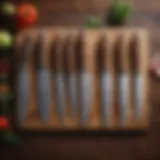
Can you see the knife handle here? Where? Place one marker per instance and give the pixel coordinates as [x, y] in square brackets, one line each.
[26, 50]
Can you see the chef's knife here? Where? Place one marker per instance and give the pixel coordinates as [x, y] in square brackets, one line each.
[58, 75]
[138, 79]
[122, 79]
[104, 72]
[23, 79]
[43, 79]
[85, 81]
[71, 74]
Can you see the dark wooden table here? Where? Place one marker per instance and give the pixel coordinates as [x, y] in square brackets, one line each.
[97, 146]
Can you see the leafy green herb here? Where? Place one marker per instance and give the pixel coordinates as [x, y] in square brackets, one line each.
[93, 22]
[119, 12]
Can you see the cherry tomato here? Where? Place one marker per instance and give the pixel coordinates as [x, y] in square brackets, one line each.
[26, 15]
[4, 123]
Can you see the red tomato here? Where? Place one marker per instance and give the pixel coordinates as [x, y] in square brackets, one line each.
[4, 123]
[26, 15]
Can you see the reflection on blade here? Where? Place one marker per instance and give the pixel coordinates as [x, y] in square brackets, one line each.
[123, 96]
[139, 90]
[85, 96]
[23, 78]
[43, 91]
[23, 94]
[59, 93]
[107, 96]
[72, 93]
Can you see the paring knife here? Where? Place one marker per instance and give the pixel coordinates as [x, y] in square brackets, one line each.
[85, 81]
[59, 76]
[122, 79]
[138, 79]
[43, 80]
[23, 79]
[104, 71]
[71, 74]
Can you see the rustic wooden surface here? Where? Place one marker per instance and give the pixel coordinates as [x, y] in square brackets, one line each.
[40, 147]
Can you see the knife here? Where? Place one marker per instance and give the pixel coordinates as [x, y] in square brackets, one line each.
[122, 79]
[23, 78]
[85, 81]
[136, 75]
[43, 80]
[104, 71]
[71, 74]
[58, 75]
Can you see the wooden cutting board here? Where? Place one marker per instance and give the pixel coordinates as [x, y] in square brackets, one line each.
[73, 50]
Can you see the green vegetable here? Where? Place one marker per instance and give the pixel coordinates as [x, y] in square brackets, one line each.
[5, 100]
[93, 22]
[5, 97]
[119, 12]
[5, 40]
[10, 137]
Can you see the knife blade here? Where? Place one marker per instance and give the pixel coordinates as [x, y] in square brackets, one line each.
[43, 92]
[72, 83]
[122, 79]
[23, 78]
[60, 98]
[85, 81]
[43, 81]
[139, 87]
[138, 79]
[71, 74]
[58, 76]
[123, 96]
[104, 73]
[85, 95]
[107, 96]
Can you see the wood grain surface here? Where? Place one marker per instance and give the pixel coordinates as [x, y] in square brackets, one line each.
[103, 146]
